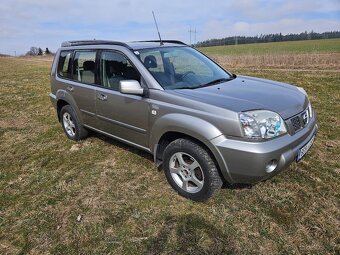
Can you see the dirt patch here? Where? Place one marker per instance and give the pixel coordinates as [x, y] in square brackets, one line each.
[17, 123]
[78, 146]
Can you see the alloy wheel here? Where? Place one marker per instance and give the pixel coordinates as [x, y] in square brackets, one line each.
[69, 124]
[186, 172]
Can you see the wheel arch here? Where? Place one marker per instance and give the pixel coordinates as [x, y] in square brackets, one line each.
[60, 104]
[171, 136]
[176, 126]
[64, 98]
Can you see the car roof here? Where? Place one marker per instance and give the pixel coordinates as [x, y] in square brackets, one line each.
[154, 44]
[137, 45]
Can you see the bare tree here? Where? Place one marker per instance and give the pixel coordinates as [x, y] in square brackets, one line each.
[33, 51]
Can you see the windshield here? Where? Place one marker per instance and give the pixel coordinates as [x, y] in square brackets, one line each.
[181, 67]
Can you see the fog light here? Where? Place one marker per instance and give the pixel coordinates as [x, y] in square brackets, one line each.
[271, 166]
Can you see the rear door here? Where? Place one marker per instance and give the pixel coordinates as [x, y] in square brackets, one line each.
[121, 115]
[82, 85]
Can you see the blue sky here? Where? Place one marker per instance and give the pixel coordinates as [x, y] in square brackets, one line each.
[25, 23]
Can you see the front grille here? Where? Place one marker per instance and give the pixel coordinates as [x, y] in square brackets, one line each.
[299, 121]
[296, 123]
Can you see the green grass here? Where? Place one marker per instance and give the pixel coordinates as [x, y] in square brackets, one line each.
[298, 47]
[127, 207]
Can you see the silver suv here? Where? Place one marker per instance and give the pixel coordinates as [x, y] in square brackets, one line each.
[204, 125]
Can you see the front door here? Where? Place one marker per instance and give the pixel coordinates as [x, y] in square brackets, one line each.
[123, 116]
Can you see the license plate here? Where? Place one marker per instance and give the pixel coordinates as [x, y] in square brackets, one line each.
[302, 151]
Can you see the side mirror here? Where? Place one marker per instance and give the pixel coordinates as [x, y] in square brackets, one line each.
[130, 87]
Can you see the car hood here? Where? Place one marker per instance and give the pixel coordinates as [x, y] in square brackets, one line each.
[248, 93]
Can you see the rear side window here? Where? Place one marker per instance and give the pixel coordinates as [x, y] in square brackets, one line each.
[84, 67]
[64, 64]
[115, 67]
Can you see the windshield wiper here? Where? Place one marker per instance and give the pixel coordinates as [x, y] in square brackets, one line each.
[185, 87]
[213, 82]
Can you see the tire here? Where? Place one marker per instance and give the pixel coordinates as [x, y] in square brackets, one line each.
[190, 170]
[71, 124]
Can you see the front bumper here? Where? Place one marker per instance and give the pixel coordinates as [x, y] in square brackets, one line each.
[245, 162]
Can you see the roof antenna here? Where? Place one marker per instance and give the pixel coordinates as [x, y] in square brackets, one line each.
[159, 35]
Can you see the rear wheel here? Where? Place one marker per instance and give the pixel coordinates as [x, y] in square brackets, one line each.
[190, 170]
[71, 124]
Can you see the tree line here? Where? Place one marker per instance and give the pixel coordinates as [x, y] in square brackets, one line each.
[35, 51]
[264, 38]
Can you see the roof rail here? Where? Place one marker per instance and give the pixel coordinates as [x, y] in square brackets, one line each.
[93, 42]
[166, 41]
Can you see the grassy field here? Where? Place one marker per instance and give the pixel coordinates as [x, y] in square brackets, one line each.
[297, 47]
[100, 196]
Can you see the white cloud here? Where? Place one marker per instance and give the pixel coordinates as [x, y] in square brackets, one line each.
[215, 29]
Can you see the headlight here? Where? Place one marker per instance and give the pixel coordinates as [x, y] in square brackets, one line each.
[310, 111]
[262, 124]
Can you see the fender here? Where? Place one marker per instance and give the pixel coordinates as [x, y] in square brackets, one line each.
[177, 122]
[191, 126]
[65, 96]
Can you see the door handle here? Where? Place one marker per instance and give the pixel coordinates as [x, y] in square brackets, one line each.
[102, 97]
[70, 88]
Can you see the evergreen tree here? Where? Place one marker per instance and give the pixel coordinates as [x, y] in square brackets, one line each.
[263, 38]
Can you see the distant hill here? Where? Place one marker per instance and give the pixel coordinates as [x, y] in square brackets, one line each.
[3, 55]
[234, 40]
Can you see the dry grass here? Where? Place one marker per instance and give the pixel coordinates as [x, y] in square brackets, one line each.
[126, 205]
[315, 62]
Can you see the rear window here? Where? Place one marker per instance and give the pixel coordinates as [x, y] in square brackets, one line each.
[84, 67]
[64, 64]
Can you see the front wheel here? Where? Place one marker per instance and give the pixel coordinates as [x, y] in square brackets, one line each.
[190, 170]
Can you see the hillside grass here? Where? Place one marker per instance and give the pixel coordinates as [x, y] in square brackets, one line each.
[124, 204]
[293, 47]
[317, 55]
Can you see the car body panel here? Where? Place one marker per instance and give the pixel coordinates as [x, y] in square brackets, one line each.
[247, 161]
[81, 95]
[245, 93]
[126, 116]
